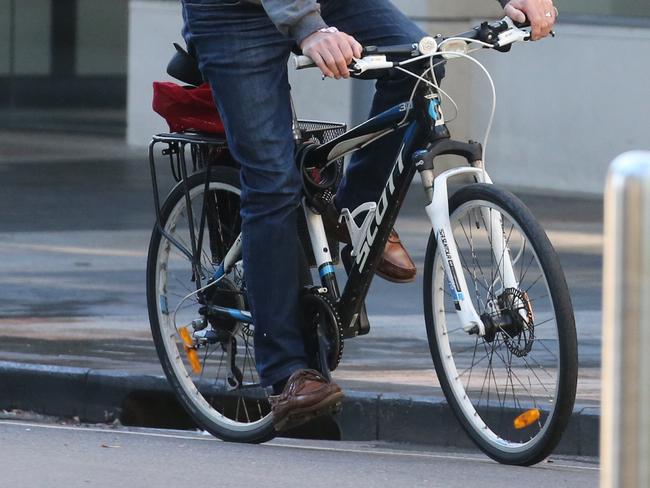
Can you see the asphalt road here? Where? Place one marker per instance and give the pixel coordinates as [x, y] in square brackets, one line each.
[37, 455]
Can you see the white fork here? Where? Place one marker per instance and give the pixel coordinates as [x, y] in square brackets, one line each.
[438, 212]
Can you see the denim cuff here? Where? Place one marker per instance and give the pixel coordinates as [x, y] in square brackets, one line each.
[306, 26]
[282, 373]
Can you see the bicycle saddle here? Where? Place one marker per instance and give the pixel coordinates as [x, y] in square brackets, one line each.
[184, 67]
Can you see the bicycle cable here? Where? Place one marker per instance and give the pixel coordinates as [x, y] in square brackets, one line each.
[190, 295]
[435, 85]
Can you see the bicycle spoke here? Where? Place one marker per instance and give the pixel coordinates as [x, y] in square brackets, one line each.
[471, 368]
[541, 343]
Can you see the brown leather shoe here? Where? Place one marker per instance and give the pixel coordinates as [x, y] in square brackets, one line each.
[396, 265]
[307, 395]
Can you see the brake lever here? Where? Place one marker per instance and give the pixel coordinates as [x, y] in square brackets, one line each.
[368, 63]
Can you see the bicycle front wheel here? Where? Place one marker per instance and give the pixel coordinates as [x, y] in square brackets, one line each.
[209, 361]
[512, 389]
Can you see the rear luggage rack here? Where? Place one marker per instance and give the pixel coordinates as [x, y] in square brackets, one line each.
[212, 149]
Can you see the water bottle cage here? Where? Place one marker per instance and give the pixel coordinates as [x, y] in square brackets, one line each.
[357, 233]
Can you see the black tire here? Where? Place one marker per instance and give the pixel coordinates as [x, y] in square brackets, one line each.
[206, 415]
[496, 416]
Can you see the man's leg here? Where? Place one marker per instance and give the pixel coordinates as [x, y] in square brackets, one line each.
[244, 57]
[379, 23]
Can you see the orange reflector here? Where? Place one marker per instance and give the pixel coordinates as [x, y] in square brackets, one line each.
[527, 418]
[192, 356]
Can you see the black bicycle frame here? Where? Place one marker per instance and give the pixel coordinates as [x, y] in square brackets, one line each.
[425, 137]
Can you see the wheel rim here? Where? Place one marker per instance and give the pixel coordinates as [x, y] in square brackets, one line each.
[246, 408]
[490, 384]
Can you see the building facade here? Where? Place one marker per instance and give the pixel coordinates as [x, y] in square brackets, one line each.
[63, 64]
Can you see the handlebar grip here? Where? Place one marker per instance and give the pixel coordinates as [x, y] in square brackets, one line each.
[303, 62]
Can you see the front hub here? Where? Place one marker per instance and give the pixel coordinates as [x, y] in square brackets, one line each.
[511, 320]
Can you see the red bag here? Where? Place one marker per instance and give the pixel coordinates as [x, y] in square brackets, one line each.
[187, 108]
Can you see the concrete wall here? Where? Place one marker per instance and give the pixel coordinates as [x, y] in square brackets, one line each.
[566, 106]
[101, 37]
[153, 27]
[32, 31]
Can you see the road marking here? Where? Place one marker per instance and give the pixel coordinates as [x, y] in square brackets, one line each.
[285, 445]
[447, 457]
[107, 430]
[76, 250]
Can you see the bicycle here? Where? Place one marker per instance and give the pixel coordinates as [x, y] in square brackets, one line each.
[498, 313]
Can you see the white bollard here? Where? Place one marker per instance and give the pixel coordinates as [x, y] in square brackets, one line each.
[625, 413]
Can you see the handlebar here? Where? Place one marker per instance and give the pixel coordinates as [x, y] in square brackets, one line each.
[498, 35]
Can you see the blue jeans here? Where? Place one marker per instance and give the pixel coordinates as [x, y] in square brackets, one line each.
[244, 57]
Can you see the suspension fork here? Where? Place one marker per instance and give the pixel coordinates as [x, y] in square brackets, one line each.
[498, 239]
[438, 212]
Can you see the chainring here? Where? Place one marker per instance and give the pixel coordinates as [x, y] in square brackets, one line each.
[321, 314]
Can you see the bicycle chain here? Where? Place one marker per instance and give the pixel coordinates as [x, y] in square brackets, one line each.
[339, 330]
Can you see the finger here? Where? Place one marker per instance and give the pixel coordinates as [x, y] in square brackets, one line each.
[536, 24]
[330, 62]
[341, 63]
[320, 62]
[545, 25]
[357, 48]
[534, 31]
[346, 50]
[515, 14]
[549, 17]
[550, 8]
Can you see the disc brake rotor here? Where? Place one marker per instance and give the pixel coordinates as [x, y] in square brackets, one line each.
[517, 305]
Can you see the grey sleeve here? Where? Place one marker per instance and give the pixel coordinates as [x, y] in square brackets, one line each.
[295, 18]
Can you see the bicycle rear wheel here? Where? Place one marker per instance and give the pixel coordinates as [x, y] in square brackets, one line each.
[210, 363]
[513, 389]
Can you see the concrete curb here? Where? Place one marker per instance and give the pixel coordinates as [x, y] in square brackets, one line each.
[98, 396]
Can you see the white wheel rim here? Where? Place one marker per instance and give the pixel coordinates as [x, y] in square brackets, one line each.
[447, 358]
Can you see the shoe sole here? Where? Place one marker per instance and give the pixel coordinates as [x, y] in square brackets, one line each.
[330, 405]
[395, 280]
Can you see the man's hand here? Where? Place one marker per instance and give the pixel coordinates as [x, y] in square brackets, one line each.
[332, 52]
[540, 13]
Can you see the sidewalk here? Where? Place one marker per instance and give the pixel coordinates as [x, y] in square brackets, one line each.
[73, 241]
